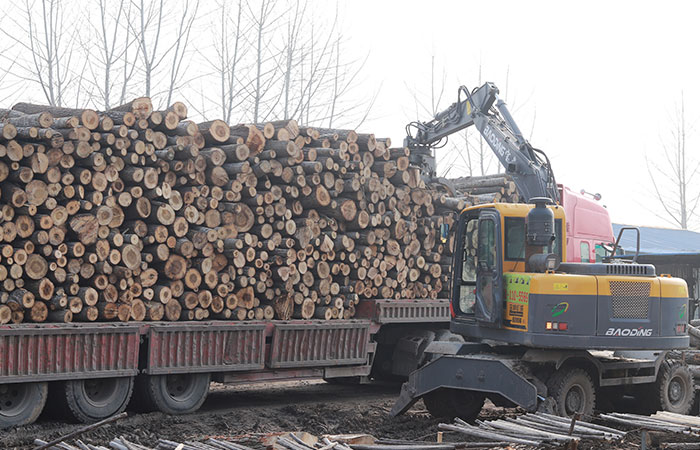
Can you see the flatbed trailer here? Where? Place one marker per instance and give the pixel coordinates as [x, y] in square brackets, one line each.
[92, 369]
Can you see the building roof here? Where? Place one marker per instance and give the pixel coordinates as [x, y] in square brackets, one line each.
[660, 241]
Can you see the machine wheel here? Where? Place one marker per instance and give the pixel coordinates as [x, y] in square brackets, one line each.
[21, 403]
[449, 403]
[95, 399]
[573, 392]
[177, 393]
[675, 388]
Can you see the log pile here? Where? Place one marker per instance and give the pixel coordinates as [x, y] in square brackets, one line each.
[286, 441]
[534, 429]
[487, 188]
[136, 214]
[122, 443]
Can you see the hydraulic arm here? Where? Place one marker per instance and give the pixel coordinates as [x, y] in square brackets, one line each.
[528, 166]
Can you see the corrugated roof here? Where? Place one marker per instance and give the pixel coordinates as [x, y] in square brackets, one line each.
[660, 241]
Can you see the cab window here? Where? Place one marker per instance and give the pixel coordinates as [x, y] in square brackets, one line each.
[600, 253]
[556, 248]
[487, 244]
[585, 252]
[515, 238]
[469, 251]
[467, 295]
[488, 282]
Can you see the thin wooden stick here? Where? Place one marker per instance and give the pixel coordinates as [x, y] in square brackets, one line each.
[83, 430]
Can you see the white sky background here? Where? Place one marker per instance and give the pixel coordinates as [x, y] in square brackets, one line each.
[600, 79]
[604, 78]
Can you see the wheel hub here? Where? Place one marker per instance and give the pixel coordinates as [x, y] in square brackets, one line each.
[574, 400]
[675, 390]
[99, 391]
[12, 399]
[179, 386]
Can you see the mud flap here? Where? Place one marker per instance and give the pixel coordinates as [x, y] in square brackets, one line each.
[487, 375]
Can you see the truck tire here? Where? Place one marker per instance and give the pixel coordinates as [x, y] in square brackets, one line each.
[177, 393]
[450, 403]
[95, 399]
[573, 392]
[675, 388]
[21, 403]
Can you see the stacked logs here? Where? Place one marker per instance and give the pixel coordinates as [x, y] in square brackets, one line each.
[487, 188]
[136, 214]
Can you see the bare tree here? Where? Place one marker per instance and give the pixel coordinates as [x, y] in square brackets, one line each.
[672, 175]
[437, 89]
[148, 17]
[49, 46]
[266, 71]
[270, 58]
[318, 58]
[465, 153]
[179, 51]
[107, 51]
[484, 156]
[345, 80]
[152, 17]
[336, 84]
[472, 150]
[230, 54]
[291, 53]
[317, 77]
[320, 64]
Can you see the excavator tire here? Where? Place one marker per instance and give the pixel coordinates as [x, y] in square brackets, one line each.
[450, 403]
[573, 392]
[674, 388]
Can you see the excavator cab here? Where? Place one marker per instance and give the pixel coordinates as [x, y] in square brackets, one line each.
[492, 240]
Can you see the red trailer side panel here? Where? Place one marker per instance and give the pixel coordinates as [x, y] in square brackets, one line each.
[319, 343]
[61, 351]
[405, 311]
[206, 347]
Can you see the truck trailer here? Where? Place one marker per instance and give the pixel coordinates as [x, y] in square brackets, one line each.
[94, 369]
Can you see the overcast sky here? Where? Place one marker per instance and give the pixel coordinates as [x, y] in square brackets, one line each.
[601, 80]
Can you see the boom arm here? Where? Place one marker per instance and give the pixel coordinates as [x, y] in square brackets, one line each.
[529, 167]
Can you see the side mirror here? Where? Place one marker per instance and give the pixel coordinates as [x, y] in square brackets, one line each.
[617, 243]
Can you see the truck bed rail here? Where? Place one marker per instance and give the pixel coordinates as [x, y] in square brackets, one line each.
[406, 311]
[49, 352]
[216, 347]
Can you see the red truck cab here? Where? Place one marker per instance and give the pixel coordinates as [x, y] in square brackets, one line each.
[588, 226]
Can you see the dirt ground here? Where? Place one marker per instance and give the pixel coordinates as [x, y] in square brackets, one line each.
[247, 413]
